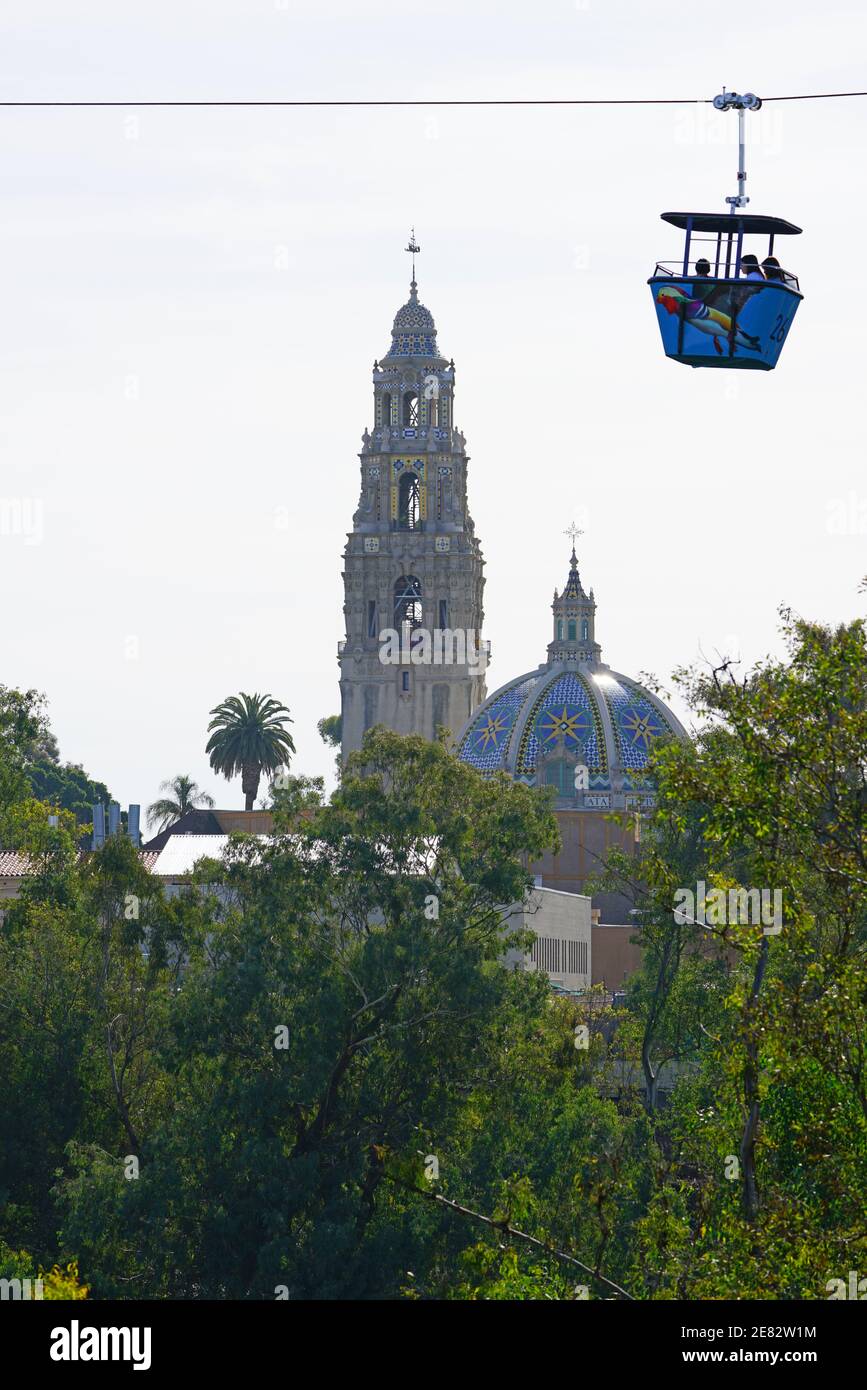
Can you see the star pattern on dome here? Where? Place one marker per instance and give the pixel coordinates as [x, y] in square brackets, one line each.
[569, 723]
[490, 734]
[575, 694]
[642, 726]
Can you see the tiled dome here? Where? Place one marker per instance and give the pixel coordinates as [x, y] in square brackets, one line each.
[413, 332]
[573, 710]
[607, 720]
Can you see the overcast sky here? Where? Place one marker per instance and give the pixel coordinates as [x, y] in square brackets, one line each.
[191, 302]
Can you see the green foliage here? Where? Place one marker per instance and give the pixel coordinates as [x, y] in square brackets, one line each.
[312, 1073]
[81, 1007]
[68, 786]
[270, 1155]
[55, 1284]
[63, 1285]
[764, 1145]
[331, 729]
[30, 761]
[23, 724]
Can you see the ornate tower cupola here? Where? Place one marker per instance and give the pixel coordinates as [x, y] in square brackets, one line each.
[574, 620]
[413, 565]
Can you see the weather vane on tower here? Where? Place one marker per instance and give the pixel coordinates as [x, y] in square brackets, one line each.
[413, 248]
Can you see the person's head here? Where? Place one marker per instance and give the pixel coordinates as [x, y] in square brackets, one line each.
[702, 266]
[750, 264]
[772, 268]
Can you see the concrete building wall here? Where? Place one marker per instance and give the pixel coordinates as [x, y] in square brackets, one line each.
[563, 945]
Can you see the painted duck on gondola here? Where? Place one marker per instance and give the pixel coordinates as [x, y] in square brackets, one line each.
[703, 313]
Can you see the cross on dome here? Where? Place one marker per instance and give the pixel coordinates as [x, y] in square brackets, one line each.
[573, 531]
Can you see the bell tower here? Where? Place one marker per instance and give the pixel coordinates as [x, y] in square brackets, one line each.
[413, 657]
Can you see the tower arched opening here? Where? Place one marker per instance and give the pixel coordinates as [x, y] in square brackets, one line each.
[408, 503]
[410, 408]
[408, 611]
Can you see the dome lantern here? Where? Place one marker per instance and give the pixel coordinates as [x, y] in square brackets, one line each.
[574, 621]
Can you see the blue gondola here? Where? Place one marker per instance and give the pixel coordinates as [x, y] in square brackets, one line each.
[721, 318]
[724, 309]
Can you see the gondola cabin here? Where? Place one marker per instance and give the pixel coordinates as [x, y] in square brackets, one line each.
[728, 302]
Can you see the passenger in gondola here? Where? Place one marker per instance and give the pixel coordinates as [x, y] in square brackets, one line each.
[700, 288]
[773, 270]
[750, 268]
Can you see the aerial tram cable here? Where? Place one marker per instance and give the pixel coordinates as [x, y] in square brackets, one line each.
[738, 318]
[433, 101]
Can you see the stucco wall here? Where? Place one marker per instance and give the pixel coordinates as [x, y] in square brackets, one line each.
[562, 924]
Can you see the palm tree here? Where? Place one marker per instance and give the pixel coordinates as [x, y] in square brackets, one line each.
[249, 737]
[185, 795]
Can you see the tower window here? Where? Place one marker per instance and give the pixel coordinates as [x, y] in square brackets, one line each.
[404, 681]
[408, 503]
[410, 407]
[572, 632]
[444, 613]
[584, 630]
[386, 408]
[371, 617]
[407, 601]
[559, 629]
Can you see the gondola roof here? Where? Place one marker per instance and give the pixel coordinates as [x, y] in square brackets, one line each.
[730, 222]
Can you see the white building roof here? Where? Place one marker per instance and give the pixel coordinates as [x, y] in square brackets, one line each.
[181, 853]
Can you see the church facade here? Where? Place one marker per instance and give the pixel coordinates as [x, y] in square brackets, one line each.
[413, 657]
